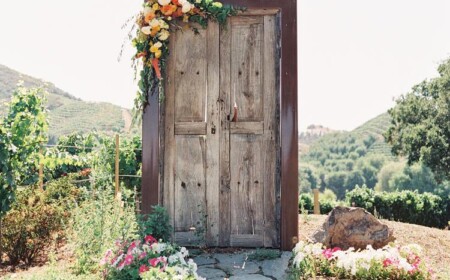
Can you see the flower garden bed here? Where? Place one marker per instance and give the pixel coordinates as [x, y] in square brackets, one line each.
[390, 262]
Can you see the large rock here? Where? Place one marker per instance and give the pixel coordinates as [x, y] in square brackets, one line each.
[348, 227]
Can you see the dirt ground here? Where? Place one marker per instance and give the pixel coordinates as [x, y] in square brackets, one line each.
[435, 242]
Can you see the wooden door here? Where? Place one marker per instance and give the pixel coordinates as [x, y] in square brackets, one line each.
[220, 172]
[249, 142]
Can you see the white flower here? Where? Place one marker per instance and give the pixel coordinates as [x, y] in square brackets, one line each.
[163, 35]
[186, 7]
[192, 265]
[164, 2]
[172, 259]
[184, 252]
[146, 30]
[163, 24]
[299, 258]
[198, 1]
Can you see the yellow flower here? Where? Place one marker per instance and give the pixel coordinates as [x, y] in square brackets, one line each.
[155, 47]
[163, 35]
[155, 7]
[198, 1]
[217, 4]
[158, 53]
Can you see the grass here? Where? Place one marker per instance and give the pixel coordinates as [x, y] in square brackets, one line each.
[262, 254]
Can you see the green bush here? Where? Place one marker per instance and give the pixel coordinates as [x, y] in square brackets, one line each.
[157, 224]
[96, 224]
[406, 206]
[305, 203]
[37, 220]
[327, 201]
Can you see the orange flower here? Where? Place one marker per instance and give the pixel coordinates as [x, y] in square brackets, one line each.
[175, 2]
[168, 10]
[149, 17]
[155, 30]
[155, 64]
[178, 13]
[141, 54]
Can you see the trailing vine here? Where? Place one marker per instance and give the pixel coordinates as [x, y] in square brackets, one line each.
[153, 27]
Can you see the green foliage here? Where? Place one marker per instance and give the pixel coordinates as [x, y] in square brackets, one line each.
[340, 161]
[308, 180]
[420, 124]
[96, 224]
[327, 201]
[37, 219]
[156, 224]
[262, 254]
[305, 203]
[22, 131]
[406, 206]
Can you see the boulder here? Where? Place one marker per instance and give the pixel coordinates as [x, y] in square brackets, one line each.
[354, 227]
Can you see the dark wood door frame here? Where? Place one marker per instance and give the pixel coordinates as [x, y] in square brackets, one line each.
[288, 127]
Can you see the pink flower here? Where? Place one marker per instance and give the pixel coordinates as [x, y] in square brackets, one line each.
[153, 262]
[121, 265]
[328, 253]
[150, 239]
[142, 255]
[143, 269]
[389, 261]
[128, 259]
[106, 257]
[133, 245]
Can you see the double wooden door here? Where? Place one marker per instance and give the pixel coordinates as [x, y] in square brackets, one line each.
[221, 133]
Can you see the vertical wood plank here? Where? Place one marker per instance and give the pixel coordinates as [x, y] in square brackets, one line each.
[150, 154]
[224, 157]
[316, 202]
[169, 136]
[190, 184]
[246, 67]
[116, 166]
[191, 75]
[270, 142]
[213, 133]
[247, 186]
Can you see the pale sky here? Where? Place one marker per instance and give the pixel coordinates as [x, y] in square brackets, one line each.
[354, 55]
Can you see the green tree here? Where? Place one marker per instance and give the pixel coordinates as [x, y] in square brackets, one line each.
[22, 132]
[386, 173]
[420, 127]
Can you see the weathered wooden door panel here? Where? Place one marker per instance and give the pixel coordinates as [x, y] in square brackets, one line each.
[191, 157]
[253, 140]
[220, 172]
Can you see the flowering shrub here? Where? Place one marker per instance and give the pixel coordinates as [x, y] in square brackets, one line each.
[390, 262]
[148, 259]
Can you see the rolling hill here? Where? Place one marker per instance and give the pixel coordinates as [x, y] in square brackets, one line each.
[67, 113]
[340, 160]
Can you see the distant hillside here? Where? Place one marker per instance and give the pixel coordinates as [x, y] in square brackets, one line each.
[340, 160]
[376, 127]
[67, 114]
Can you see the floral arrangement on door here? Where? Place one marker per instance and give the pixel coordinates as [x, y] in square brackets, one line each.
[154, 25]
